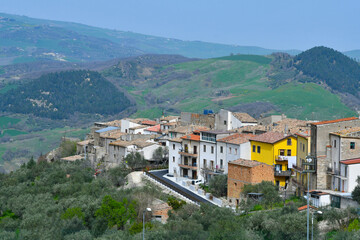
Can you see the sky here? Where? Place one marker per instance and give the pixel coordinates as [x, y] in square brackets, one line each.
[274, 24]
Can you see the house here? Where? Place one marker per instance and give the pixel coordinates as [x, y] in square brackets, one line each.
[243, 172]
[105, 138]
[226, 120]
[119, 149]
[278, 149]
[128, 123]
[100, 131]
[169, 119]
[180, 131]
[209, 163]
[319, 198]
[231, 148]
[345, 176]
[138, 129]
[321, 148]
[175, 146]
[83, 146]
[159, 211]
[153, 130]
[207, 119]
[188, 165]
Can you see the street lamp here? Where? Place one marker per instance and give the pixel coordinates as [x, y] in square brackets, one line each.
[309, 160]
[312, 223]
[147, 210]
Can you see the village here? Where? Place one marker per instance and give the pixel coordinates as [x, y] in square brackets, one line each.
[295, 155]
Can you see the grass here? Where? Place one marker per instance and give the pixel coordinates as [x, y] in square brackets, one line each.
[12, 132]
[7, 87]
[5, 121]
[251, 58]
[148, 113]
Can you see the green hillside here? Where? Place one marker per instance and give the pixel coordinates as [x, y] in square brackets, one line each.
[227, 82]
[59, 95]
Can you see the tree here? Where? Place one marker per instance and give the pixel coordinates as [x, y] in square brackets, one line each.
[161, 154]
[135, 160]
[218, 185]
[268, 189]
[116, 213]
[67, 148]
[356, 192]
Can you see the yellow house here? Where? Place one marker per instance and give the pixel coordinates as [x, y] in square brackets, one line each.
[303, 150]
[277, 149]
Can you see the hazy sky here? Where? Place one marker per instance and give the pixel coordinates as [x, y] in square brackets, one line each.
[277, 24]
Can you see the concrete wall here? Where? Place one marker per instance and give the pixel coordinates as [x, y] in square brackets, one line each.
[347, 202]
[198, 119]
[335, 152]
[346, 152]
[126, 124]
[149, 151]
[207, 154]
[353, 173]
[174, 158]
[221, 155]
[222, 120]
[245, 151]
[115, 154]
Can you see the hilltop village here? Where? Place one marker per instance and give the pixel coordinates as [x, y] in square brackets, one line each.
[196, 147]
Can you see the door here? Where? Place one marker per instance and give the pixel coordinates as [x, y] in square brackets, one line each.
[194, 174]
[195, 149]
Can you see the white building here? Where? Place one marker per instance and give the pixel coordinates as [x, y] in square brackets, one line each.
[231, 148]
[175, 145]
[226, 120]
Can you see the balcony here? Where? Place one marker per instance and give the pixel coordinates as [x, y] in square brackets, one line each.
[298, 168]
[188, 165]
[280, 158]
[189, 154]
[309, 167]
[333, 171]
[286, 173]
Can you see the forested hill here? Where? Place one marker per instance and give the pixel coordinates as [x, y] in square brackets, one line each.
[338, 71]
[58, 95]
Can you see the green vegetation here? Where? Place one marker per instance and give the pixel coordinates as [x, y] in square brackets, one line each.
[59, 95]
[250, 58]
[332, 67]
[7, 121]
[7, 87]
[11, 132]
[218, 185]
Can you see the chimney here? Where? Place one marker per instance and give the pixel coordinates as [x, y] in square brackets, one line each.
[285, 130]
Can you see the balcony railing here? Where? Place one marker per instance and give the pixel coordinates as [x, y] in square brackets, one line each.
[188, 153]
[281, 158]
[286, 173]
[298, 168]
[189, 166]
[210, 139]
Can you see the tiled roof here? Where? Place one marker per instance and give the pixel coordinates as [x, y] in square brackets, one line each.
[244, 117]
[149, 122]
[236, 138]
[192, 137]
[139, 143]
[72, 158]
[175, 140]
[139, 127]
[115, 123]
[335, 121]
[188, 129]
[305, 207]
[114, 134]
[291, 125]
[347, 131]
[351, 161]
[121, 143]
[154, 128]
[246, 163]
[169, 118]
[269, 137]
[85, 142]
[170, 124]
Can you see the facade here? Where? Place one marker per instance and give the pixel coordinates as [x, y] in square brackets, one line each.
[175, 145]
[226, 120]
[243, 172]
[189, 156]
[321, 148]
[278, 150]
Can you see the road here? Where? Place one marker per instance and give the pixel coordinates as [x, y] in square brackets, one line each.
[176, 187]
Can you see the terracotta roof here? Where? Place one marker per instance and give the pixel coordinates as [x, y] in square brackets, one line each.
[188, 129]
[192, 137]
[137, 120]
[115, 123]
[251, 128]
[85, 142]
[292, 125]
[149, 122]
[114, 134]
[139, 127]
[303, 134]
[200, 129]
[347, 131]
[154, 128]
[246, 163]
[170, 124]
[351, 161]
[121, 143]
[244, 117]
[169, 118]
[175, 140]
[335, 121]
[236, 138]
[139, 143]
[305, 207]
[269, 137]
[72, 158]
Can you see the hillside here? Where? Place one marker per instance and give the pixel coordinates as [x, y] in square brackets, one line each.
[59, 95]
[335, 69]
[24, 39]
[241, 82]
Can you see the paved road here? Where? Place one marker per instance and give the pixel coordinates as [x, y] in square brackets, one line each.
[178, 188]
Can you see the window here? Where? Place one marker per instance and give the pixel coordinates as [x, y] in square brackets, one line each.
[352, 145]
[221, 163]
[235, 151]
[289, 152]
[229, 149]
[224, 122]
[212, 149]
[204, 148]
[174, 146]
[235, 184]
[221, 149]
[282, 152]
[173, 159]
[258, 149]
[277, 183]
[289, 141]
[303, 147]
[278, 167]
[254, 148]
[334, 143]
[204, 162]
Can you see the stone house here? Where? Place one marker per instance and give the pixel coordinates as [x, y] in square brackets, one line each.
[243, 172]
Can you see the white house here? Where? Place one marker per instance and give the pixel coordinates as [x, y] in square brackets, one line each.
[233, 147]
[226, 120]
[175, 145]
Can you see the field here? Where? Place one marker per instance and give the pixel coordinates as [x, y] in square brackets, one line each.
[228, 81]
